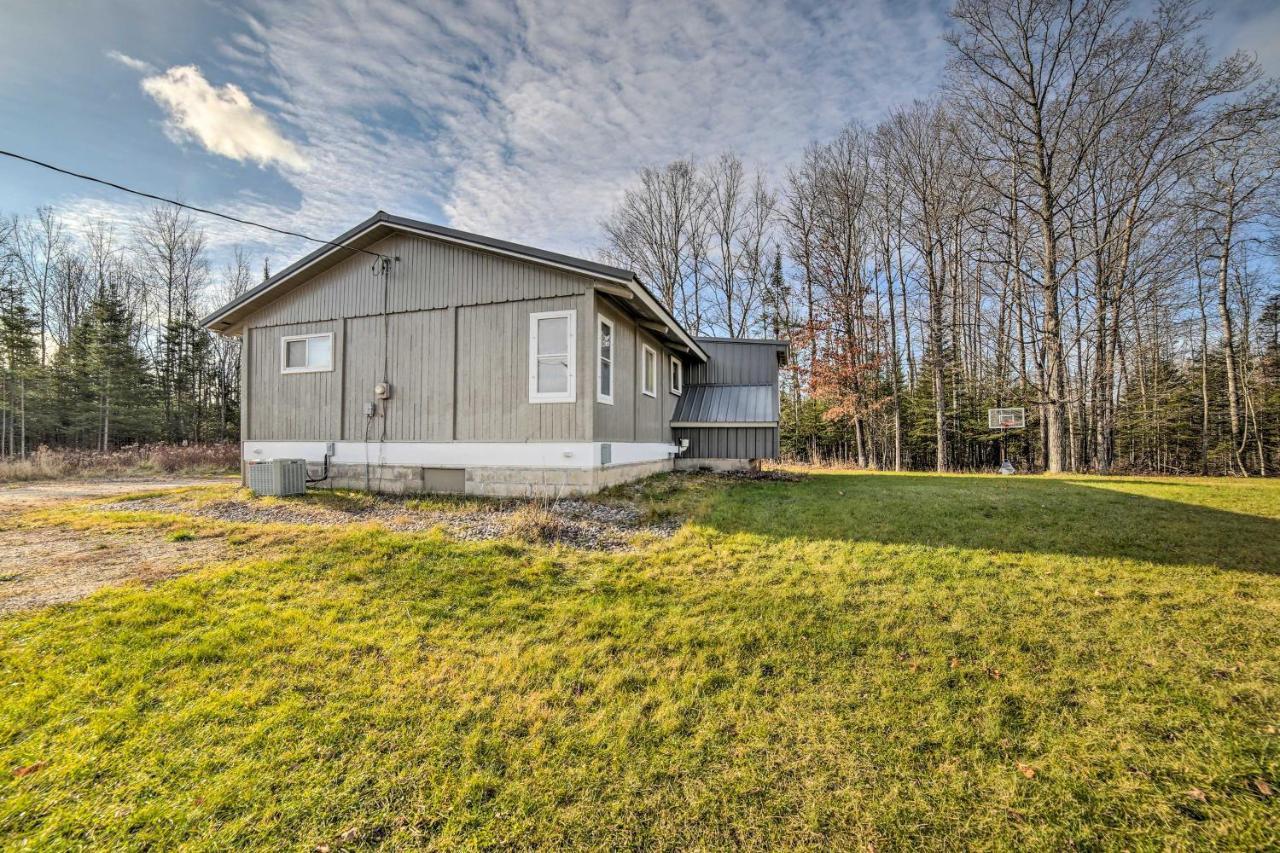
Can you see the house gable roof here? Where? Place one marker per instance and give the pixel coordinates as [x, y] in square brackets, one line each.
[382, 224]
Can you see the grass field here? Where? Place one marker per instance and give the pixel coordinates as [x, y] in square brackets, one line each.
[853, 660]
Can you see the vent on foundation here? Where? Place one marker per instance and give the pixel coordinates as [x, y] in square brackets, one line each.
[606, 454]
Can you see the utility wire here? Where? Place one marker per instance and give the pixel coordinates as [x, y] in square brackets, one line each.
[193, 208]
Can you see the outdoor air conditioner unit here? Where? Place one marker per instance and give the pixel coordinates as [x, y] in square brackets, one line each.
[278, 477]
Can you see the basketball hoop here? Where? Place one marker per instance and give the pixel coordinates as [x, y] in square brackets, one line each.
[1006, 419]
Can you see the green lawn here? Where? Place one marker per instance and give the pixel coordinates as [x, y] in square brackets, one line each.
[854, 660]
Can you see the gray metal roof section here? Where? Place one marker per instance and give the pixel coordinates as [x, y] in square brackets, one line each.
[727, 405]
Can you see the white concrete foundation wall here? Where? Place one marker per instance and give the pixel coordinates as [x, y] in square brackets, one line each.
[462, 454]
[493, 469]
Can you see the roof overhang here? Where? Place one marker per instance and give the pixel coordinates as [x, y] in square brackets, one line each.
[228, 318]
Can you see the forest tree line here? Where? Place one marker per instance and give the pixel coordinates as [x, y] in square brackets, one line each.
[100, 341]
[1081, 222]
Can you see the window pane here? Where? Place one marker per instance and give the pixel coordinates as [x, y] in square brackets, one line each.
[553, 375]
[553, 336]
[295, 354]
[319, 352]
[606, 379]
[606, 342]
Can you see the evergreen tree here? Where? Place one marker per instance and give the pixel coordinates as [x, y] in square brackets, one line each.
[103, 388]
[19, 365]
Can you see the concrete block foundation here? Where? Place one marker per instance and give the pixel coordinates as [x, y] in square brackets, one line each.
[503, 482]
[721, 465]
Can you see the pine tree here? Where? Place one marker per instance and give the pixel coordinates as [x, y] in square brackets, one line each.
[19, 364]
[103, 388]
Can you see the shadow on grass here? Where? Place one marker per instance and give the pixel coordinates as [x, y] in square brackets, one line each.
[1015, 514]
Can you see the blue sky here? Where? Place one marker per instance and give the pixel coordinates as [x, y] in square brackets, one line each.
[523, 120]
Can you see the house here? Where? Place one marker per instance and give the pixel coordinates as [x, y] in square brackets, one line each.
[408, 357]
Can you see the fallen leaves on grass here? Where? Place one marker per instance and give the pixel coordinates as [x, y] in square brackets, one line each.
[1260, 785]
[1197, 795]
[27, 770]
[1026, 770]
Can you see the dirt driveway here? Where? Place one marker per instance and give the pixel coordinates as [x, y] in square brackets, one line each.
[50, 565]
[26, 495]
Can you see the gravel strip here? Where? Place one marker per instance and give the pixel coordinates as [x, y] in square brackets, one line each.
[582, 524]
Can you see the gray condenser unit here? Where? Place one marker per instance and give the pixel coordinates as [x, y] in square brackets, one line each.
[278, 477]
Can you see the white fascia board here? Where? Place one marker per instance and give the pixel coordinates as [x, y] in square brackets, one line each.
[461, 454]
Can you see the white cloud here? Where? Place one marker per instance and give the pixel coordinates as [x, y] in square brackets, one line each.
[139, 65]
[526, 119]
[223, 119]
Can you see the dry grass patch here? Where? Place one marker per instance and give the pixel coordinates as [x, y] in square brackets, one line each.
[193, 460]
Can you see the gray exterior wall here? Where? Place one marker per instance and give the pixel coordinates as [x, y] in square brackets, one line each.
[457, 335]
[430, 274]
[733, 363]
[294, 406]
[493, 379]
[455, 338]
[736, 363]
[633, 415]
[729, 442]
[419, 364]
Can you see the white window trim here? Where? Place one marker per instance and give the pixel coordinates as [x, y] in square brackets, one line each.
[284, 350]
[571, 395]
[613, 373]
[676, 372]
[649, 388]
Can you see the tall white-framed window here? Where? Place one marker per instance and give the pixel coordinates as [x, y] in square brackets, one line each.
[648, 371]
[604, 361]
[552, 378]
[306, 353]
[677, 375]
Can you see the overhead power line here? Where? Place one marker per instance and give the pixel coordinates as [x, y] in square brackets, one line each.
[190, 207]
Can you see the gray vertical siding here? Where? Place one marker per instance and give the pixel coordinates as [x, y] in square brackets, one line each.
[493, 375]
[419, 366]
[633, 416]
[735, 363]
[430, 274]
[293, 406]
[730, 443]
[456, 338]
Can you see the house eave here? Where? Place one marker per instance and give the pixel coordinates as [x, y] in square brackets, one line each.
[227, 318]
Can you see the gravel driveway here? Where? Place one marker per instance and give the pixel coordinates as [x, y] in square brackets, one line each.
[40, 566]
[24, 495]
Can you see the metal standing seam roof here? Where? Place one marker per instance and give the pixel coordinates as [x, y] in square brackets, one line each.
[726, 405]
